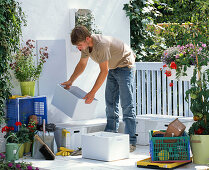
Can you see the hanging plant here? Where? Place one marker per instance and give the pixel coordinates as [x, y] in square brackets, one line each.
[12, 19]
[86, 18]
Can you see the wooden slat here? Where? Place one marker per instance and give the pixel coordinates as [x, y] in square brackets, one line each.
[143, 93]
[135, 92]
[175, 98]
[186, 105]
[154, 92]
[190, 113]
[169, 99]
[149, 66]
[148, 92]
[159, 92]
[164, 91]
[180, 93]
[139, 91]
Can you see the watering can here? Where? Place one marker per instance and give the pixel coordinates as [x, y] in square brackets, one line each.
[12, 151]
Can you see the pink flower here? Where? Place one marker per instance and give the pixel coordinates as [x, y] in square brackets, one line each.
[29, 167]
[2, 155]
[10, 164]
[18, 165]
[203, 45]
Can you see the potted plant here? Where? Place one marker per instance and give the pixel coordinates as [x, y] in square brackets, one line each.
[25, 68]
[17, 140]
[198, 96]
[181, 60]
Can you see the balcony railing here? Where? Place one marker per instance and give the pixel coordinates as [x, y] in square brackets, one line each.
[153, 95]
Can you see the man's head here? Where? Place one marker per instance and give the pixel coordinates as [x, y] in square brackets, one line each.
[80, 36]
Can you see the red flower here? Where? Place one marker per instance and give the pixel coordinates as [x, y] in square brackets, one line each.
[18, 124]
[160, 69]
[199, 131]
[173, 65]
[164, 65]
[11, 128]
[168, 73]
[171, 84]
[5, 129]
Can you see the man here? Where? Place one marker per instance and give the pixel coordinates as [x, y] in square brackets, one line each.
[116, 61]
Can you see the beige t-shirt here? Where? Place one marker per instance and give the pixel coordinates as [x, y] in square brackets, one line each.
[110, 49]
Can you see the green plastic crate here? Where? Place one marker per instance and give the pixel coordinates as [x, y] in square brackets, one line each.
[169, 149]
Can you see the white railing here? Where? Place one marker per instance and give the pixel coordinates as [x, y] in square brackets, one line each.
[155, 96]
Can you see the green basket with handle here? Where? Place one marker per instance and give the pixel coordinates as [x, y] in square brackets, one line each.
[169, 149]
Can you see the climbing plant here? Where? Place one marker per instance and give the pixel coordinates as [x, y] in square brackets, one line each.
[145, 15]
[144, 41]
[12, 19]
[86, 18]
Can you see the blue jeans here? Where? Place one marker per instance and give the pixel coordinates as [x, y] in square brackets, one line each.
[120, 83]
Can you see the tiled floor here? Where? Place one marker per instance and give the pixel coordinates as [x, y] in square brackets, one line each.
[79, 163]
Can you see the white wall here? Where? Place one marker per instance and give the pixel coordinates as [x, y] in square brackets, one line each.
[50, 20]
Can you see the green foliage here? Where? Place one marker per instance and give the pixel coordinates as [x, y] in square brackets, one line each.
[182, 57]
[145, 14]
[6, 165]
[11, 20]
[176, 34]
[24, 134]
[199, 93]
[184, 11]
[144, 41]
[87, 20]
[24, 66]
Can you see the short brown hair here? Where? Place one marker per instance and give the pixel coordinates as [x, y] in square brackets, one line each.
[78, 34]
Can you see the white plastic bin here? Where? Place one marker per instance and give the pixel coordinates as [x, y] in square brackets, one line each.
[105, 146]
[71, 103]
[69, 137]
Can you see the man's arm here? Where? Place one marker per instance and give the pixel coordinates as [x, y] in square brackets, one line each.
[100, 80]
[77, 72]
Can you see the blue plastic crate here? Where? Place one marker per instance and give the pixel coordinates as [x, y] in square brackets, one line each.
[19, 110]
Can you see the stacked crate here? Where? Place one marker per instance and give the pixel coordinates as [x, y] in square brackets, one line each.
[19, 110]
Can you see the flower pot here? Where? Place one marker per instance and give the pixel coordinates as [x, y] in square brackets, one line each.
[21, 150]
[27, 147]
[12, 153]
[200, 148]
[27, 88]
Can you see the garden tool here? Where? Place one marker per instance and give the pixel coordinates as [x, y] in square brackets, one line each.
[64, 151]
[45, 150]
[12, 151]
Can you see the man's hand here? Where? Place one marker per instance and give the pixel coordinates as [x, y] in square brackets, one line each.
[89, 97]
[67, 84]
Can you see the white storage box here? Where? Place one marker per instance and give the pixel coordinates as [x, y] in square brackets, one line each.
[69, 137]
[105, 146]
[71, 102]
[145, 123]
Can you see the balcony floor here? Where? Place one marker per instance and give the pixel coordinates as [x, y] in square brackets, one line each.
[79, 163]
